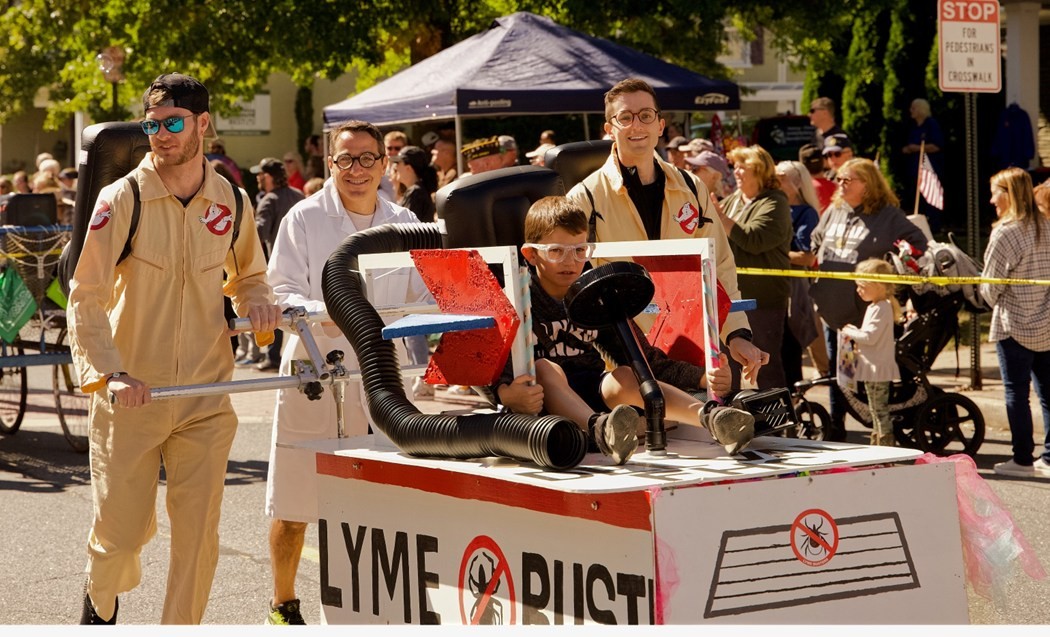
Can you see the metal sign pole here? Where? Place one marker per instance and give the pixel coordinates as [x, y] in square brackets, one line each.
[973, 229]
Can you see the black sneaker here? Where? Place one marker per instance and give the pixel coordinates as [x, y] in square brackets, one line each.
[88, 616]
[731, 427]
[616, 433]
[286, 614]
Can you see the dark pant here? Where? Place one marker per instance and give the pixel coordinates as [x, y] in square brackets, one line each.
[767, 329]
[836, 430]
[791, 355]
[273, 352]
[1020, 367]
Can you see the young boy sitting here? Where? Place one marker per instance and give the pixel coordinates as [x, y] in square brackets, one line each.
[571, 378]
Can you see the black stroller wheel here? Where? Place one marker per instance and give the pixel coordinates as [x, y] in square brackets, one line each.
[949, 424]
[812, 419]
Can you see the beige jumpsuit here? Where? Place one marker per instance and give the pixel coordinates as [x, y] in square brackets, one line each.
[159, 317]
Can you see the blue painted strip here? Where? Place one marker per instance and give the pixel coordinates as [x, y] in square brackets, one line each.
[419, 324]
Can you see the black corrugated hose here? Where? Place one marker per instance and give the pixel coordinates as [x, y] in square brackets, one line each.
[552, 442]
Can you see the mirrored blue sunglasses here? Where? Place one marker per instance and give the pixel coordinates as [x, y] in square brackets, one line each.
[174, 124]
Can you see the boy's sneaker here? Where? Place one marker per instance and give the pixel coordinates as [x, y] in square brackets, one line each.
[286, 614]
[1011, 468]
[88, 616]
[731, 427]
[615, 433]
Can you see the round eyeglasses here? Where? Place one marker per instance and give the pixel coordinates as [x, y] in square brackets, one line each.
[174, 124]
[346, 162]
[562, 252]
[623, 119]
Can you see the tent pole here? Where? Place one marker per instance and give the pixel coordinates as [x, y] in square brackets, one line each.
[586, 128]
[459, 145]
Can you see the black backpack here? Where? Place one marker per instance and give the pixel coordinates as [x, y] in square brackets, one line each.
[67, 267]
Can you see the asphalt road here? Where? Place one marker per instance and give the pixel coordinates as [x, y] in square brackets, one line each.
[46, 503]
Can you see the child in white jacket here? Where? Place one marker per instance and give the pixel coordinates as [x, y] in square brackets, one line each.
[875, 362]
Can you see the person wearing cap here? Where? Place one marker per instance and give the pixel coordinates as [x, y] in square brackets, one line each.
[676, 152]
[483, 155]
[837, 151]
[636, 196]
[812, 157]
[822, 117]
[536, 157]
[277, 199]
[313, 229]
[429, 139]
[508, 151]
[154, 320]
[709, 166]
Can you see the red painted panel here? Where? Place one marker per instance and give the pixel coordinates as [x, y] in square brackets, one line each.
[679, 328]
[628, 509]
[462, 283]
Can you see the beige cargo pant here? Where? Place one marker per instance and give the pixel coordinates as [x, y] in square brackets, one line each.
[192, 437]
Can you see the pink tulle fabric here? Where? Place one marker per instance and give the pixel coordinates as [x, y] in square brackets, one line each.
[992, 543]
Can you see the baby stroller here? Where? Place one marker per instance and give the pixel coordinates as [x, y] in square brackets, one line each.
[924, 416]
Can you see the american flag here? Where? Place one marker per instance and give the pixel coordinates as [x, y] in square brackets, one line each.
[929, 185]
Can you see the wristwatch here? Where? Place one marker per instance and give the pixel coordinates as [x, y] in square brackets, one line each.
[115, 375]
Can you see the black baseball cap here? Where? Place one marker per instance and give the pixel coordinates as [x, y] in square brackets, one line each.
[414, 156]
[178, 90]
[269, 165]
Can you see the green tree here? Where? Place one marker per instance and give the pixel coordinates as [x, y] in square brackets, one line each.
[862, 93]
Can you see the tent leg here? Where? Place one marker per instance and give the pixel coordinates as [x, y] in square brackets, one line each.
[586, 128]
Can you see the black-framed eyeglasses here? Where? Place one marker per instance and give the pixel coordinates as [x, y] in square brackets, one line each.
[346, 162]
[174, 124]
[844, 181]
[394, 148]
[623, 119]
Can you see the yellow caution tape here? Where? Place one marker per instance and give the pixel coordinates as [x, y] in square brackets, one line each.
[903, 279]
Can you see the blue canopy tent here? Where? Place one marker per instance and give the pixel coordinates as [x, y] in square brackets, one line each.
[526, 64]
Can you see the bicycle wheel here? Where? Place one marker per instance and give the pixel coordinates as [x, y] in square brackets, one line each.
[71, 404]
[14, 388]
[812, 419]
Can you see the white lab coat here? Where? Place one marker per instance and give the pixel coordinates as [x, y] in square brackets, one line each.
[308, 235]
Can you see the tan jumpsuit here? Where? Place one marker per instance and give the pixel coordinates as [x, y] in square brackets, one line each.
[159, 317]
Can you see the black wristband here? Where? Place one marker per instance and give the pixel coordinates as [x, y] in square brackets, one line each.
[743, 333]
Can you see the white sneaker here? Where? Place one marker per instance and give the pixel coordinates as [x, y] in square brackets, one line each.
[420, 389]
[1011, 468]
[1041, 468]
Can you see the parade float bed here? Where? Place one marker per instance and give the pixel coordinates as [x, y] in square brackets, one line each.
[789, 532]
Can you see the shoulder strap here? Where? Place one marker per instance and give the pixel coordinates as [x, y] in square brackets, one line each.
[592, 223]
[696, 195]
[136, 212]
[239, 211]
